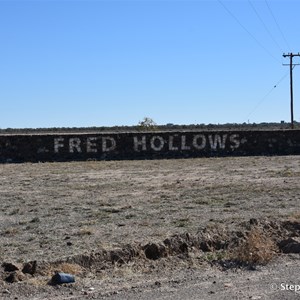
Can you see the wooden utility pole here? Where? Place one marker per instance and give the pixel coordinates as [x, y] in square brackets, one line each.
[291, 55]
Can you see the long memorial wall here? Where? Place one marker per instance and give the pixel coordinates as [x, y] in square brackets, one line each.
[146, 145]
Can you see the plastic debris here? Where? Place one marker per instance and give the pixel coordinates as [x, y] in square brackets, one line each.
[60, 278]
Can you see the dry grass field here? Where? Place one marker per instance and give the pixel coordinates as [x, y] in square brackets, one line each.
[62, 214]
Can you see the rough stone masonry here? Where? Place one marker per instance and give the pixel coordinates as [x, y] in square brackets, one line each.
[147, 145]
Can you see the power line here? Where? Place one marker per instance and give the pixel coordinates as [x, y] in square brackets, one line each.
[249, 33]
[277, 24]
[267, 95]
[265, 26]
[291, 55]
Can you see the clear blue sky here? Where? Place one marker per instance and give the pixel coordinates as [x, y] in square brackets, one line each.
[104, 63]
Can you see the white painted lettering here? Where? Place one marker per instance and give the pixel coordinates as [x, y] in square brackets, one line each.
[234, 139]
[217, 141]
[58, 143]
[196, 143]
[183, 143]
[171, 143]
[153, 143]
[111, 141]
[74, 145]
[91, 145]
[137, 143]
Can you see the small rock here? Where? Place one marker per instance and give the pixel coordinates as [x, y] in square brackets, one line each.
[35, 220]
[290, 245]
[9, 267]
[253, 221]
[116, 258]
[15, 277]
[206, 246]
[157, 283]
[30, 267]
[154, 251]
[227, 285]
[5, 291]
[69, 243]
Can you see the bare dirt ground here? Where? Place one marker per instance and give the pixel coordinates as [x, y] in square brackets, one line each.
[138, 229]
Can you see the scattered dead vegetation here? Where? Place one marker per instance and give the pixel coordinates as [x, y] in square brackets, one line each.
[257, 248]
[62, 267]
[96, 218]
[11, 231]
[85, 231]
[294, 216]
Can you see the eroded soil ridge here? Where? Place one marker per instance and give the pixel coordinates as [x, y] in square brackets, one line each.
[251, 243]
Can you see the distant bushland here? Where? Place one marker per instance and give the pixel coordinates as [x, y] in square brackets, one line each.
[168, 127]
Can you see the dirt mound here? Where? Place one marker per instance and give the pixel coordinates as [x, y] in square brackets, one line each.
[254, 242]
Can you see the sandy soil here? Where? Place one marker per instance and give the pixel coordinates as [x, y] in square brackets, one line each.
[95, 220]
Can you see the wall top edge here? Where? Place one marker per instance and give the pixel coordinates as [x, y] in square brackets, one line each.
[145, 132]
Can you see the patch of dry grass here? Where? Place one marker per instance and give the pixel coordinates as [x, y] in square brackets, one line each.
[85, 231]
[11, 231]
[256, 249]
[69, 268]
[37, 281]
[295, 216]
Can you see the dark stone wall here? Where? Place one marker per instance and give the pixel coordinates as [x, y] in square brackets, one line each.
[147, 145]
